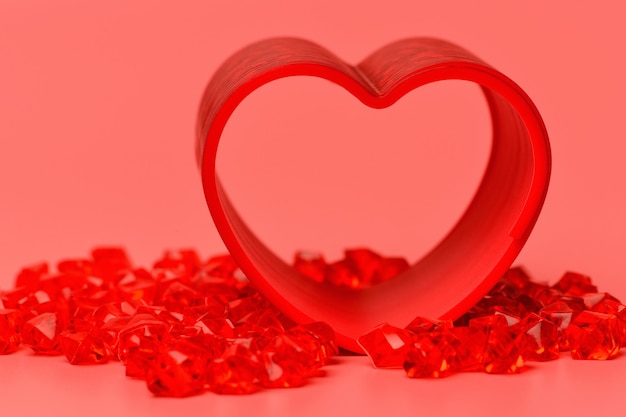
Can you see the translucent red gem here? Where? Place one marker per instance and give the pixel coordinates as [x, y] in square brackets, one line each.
[10, 330]
[593, 335]
[386, 345]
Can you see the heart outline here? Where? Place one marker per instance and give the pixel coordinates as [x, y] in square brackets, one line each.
[478, 249]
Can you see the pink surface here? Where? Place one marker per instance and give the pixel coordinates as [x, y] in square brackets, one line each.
[97, 114]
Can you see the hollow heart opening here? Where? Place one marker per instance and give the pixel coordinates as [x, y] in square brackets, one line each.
[310, 167]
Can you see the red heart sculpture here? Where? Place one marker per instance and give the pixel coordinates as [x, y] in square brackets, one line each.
[460, 269]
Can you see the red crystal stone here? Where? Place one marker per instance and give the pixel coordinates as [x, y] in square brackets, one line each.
[386, 345]
[561, 314]
[311, 265]
[142, 329]
[41, 334]
[10, 330]
[137, 285]
[593, 335]
[516, 277]
[575, 284]
[469, 348]
[324, 334]
[500, 354]
[109, 262]
[287, 362]
[218, 326]
[341, 274]
[178, 370]
[432, 355]
[263, 322]
[424, 325]
[30, 276]
[185, 260]
[538, 338]
[84, 347]
[389, 268]
[609, 305]
[236, 371]
[179, 296]
[365, 263]
[597, 301]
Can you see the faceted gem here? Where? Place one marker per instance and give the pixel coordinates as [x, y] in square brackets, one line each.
[109, 331]
[538, 338]
[488, 323]
[178, 370]
[575, 284]
[239, 309]
[140, 358]
[325, 335]
[10, 330]
[600, 300]
[594, 335]
[608, 305]
[109, 262]
[561, 314]
[79, 267]
[423, 325]
[365, 263]
[41, 334]
[311, 265]
[341, 274]
[386, 345]
[144, 330]
[103, 314]
[575, 303]
[30, 276]
[262, 322]
[185, 260]
[389, 268]
[469, 348]
[236, 371]
[287, 362]
[179, 296]
[543, 294]
[218, 326]
[83, 347]
[222, 266]
[137, 285]
[432, 355]
[516, 277]
[527, 305]
[210, 308]
[490, 303]
[501, 354]
[511, 315]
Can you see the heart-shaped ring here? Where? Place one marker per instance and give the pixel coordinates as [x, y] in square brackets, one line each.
[467, 262]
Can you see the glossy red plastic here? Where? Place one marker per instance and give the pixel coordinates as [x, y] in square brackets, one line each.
[467, 262]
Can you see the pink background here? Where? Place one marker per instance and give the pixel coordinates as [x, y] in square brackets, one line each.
[97, 115]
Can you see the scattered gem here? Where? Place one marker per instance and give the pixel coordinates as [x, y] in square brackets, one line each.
[10, 330]
[593, 335]
[386, 345]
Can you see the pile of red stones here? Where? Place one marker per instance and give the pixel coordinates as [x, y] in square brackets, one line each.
[187, 326]
[517, 321]
[184, 326]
